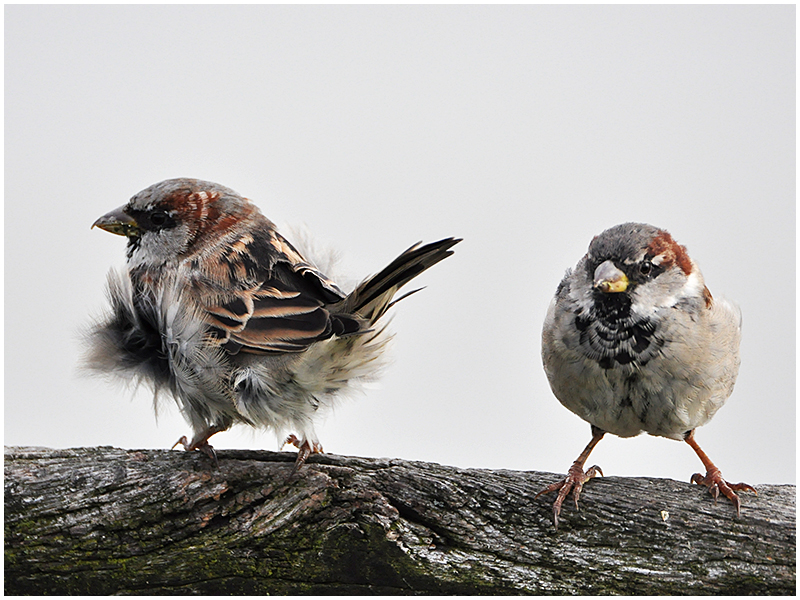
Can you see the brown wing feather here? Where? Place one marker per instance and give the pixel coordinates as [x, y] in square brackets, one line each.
[284, 308]
[283, 303]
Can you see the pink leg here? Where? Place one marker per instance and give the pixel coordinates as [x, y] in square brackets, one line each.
[575, 478]
[713, 478]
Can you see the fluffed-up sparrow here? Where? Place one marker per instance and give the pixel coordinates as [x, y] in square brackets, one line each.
[218, 310]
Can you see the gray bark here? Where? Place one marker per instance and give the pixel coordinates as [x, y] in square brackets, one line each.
[110, 521]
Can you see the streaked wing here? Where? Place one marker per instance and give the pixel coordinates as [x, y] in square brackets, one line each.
[323, 285]
[284, 311]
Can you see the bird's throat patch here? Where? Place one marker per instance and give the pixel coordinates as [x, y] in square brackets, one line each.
[610, 335]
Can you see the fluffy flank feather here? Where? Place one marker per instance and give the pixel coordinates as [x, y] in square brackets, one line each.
[121, 345]
[199, 369]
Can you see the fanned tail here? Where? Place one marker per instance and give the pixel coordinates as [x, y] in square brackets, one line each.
[373, 297]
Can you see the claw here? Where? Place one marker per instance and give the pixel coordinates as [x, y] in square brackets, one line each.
[575, 477]
[304, 450]
[209, 451]
[713, 478]
[183, 442]
[591, 472]
[574, 481]
[303, 453]
[715, 483]
[201, 443]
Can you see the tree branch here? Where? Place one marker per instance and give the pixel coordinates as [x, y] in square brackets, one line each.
[110, 521]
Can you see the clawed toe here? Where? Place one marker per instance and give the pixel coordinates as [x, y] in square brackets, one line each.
[574, 481]
[209, 451]
[575, 477]
[304, 450]
[713, 478]
[183, 442]
[715, 483]
[201, 445]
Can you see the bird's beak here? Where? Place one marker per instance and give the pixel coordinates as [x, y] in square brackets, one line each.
[609, 279]
[118, 222]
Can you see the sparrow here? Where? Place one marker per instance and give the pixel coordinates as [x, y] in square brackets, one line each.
[634, 342]
[218, 310]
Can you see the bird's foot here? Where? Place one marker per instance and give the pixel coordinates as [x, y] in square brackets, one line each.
[199, 444]
[574, 481]
[304, 450]
[715, 483]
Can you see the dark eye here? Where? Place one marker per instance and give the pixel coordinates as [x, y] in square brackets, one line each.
[158, 218]
[646, 268]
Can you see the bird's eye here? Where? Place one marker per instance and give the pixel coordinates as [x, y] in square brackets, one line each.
[646, 268]
[158, 218]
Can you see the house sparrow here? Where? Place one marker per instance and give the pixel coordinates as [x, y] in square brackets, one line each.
[220, 311]
[633, 341]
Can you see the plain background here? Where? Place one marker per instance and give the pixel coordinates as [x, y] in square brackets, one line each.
[526, 130]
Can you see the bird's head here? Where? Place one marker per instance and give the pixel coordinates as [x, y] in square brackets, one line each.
[175, 218]
[642, 265]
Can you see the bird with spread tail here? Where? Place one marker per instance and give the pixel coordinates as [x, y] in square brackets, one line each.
[634, 342]
[218, 310]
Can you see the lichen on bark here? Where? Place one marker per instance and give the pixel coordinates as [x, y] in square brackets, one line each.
[111, 521]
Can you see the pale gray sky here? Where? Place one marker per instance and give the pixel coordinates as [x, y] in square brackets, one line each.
[526, 130]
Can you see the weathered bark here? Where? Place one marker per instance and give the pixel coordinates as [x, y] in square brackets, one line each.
[110, 521]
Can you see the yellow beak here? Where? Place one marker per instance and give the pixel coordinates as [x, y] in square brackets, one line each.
[609, 279]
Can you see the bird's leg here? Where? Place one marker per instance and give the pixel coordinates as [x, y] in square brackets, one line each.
[200, 442]
[713, 478]
[304, 450]
[576, 476]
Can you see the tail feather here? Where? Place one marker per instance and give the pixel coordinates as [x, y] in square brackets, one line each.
[373, 297]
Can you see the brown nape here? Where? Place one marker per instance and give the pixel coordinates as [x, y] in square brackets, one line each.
[673, 253]
[207, 211]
